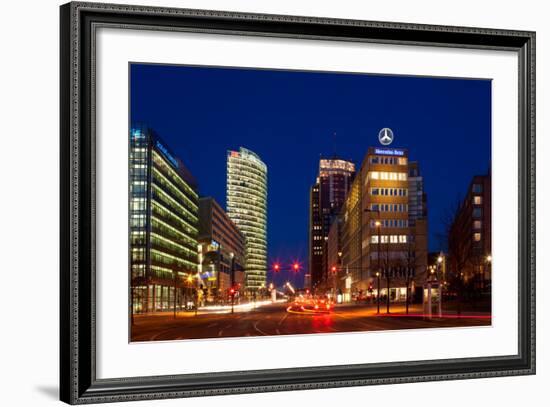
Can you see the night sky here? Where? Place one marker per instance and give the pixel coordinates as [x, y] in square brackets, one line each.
[289, 119]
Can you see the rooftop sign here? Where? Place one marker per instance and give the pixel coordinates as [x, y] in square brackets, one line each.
[385, 136]
[389, 151]
[167, 154]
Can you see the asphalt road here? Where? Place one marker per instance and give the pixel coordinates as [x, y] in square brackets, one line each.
[274, 319]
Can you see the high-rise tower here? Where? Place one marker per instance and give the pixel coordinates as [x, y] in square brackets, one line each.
[326, 197]
[247, 208]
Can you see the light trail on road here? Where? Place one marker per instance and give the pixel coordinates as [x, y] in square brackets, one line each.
[280, 318]
[224, 309]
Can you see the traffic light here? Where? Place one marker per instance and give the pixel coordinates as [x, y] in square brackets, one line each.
[296, 266]
[232, 291]
[276, 267]
[333, 269]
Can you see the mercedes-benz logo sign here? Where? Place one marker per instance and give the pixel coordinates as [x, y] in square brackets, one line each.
[385, 136]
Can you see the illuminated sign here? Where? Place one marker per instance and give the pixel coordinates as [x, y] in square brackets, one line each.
[136, 133]
[385, 136]
[389, 151]
[167, 154]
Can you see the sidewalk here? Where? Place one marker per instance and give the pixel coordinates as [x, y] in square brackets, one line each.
[398, 309]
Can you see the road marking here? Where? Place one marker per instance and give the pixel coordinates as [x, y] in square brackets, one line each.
[220, 333]
[212, 325]
[278, 332]
[164, 331]
[283, 319]
[258, 329]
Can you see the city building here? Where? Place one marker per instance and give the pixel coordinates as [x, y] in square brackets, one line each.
[247, 208]
[316, 239]
[221, 251]
[326, 198]
[352, 231]
[418, 208]
[333, 250]
[384, 246]
[163, 206]
[469, 238]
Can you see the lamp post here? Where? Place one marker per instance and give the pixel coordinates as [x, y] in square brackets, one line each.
[175, 290]
[489, 260]
[190, 287]
[232, 270]
[431, 271]
[378, 292]
[439, 288]
[378, 225]
[197, 295]
[337, 291]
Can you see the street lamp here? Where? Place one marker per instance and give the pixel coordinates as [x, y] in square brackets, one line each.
[439, 287]
[378, 225]
[337, 290]
[378, 292]
[488, 260]
[189, 281]
[428, 301]
[232, 293]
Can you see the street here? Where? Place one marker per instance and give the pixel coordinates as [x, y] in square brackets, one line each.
[274, 319]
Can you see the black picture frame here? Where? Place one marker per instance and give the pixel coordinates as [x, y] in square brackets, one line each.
[78, 382]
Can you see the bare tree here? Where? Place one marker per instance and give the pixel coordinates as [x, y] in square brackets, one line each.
[410, 263]
[459, 255]
[387, 274]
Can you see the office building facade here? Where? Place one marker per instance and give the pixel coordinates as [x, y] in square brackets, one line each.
[418, 207]
[247, 208]
[469, 239]
[163, 209]
[377, 233]
[327, 196]
[316, 239]
[221, 250]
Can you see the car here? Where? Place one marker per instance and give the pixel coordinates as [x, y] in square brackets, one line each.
[311, 306]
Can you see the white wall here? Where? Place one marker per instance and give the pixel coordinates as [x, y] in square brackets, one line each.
[29, 199]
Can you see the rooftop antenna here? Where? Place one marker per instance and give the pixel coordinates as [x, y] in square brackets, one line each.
[334, 145]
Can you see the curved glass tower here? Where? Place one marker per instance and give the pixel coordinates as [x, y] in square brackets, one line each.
[247, 208]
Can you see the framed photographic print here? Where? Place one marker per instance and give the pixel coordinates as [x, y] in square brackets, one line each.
[256, 203]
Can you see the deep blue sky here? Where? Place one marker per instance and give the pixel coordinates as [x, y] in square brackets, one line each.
[289, 119]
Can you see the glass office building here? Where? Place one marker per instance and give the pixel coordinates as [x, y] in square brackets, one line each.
[163, 225]
[247, 208]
